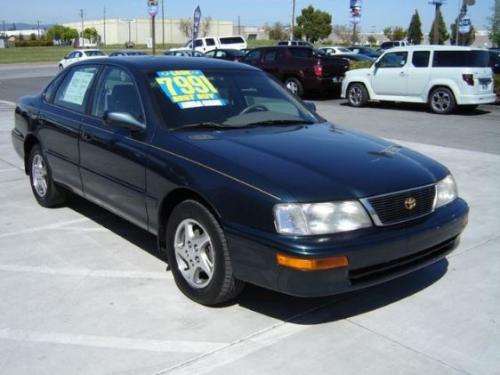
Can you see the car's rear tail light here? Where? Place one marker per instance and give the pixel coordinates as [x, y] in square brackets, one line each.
[469, 79]
[318, 70]
[304, 264]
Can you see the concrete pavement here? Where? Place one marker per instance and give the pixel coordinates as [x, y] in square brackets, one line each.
[84, 292]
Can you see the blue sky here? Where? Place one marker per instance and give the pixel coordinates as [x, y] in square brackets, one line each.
[376, 13]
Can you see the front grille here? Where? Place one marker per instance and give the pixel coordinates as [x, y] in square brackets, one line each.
[393, 208]
[401, 265]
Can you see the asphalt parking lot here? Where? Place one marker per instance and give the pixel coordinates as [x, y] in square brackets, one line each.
[85, 292]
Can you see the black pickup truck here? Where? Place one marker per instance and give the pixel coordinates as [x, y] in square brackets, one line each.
[301, 69]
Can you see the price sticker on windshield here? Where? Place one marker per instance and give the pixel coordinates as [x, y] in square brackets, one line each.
[189, 89]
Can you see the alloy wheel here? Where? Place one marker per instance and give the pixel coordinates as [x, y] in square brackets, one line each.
[441, 101]
[194, 253]
[355, 95]
[39, 175]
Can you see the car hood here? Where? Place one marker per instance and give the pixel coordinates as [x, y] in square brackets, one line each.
[358, 72]
[319, 162]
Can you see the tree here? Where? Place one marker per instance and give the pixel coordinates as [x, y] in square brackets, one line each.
[314, 24]
[32, 36]
[343, 33]
[277, 31]
[395, 33]
[442, 32]
[372, 40]
[186, 27]
[91, 34]
[62, 34]
[463, 39]
[495, 24]
[414, 32]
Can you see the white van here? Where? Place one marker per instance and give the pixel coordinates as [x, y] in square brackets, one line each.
[210, 43]
[444, 77]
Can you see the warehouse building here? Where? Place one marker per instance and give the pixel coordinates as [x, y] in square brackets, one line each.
[118, 31]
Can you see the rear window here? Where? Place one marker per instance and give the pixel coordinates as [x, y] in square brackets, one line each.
[232, 40]
[461, 59]
[301, 52]
[94, 53]
[210, 42]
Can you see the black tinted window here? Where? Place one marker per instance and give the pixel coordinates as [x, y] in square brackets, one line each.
[301, 52]
[270, 56]
[461, 59]
[198, 43]
[253, 56]
[50, 92]
[393, 60]
[421, 59]
[73, 92]
[231, 40]
[116, 92]
[210, 42]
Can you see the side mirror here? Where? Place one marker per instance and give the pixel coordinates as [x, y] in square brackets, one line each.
[122, 120]
[310, 106]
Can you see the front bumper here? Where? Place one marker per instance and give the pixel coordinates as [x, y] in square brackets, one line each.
[375, 254]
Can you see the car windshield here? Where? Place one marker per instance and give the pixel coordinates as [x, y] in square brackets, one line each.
[225, 99]
[344, 50]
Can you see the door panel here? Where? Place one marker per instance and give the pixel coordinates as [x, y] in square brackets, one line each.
[390, 76]
[113, 160]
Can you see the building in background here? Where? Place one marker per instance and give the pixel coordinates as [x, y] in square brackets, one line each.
[251, 32]
[117, 30]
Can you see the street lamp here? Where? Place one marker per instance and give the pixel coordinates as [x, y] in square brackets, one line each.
[292, 28]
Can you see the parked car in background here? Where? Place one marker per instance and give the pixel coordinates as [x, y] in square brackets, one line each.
[334, 50]
[128, 52]
[301, 69]
[444, 77]
[295, 43]
[370, 52]
[238, 180]
[183, 52]
[80, 55]
[226, 54]
[357, 57]
[397, 43]
[210, 43]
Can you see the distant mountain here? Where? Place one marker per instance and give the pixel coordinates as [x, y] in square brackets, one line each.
[22, 26]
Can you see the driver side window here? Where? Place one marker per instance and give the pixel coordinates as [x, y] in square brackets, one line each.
[116, 92]
[393, 60]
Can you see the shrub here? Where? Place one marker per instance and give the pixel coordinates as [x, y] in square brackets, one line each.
[33, 43]
[360, 64]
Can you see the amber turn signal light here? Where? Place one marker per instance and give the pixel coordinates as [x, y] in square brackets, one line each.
[311, 264]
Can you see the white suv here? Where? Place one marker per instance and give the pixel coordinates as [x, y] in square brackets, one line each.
[442, 76]
[210, 43]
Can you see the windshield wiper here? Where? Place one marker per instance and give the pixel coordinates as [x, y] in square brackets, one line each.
[204, 125]
[281, 122]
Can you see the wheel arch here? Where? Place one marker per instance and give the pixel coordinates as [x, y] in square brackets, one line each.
[170, 201]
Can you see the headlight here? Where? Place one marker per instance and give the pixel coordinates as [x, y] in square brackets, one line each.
[446, 191]
[320, 218]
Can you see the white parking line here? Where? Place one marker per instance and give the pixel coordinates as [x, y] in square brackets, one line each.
[168, 346]
[45, 227]
[115, 274]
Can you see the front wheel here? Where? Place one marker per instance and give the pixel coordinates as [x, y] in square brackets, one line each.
[44, 189]
[198, 255]
[357, 96]
[442, 101]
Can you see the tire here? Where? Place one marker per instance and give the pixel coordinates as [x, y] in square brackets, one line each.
[357, 95]
[294, 86]
[442, 101]
[44, 189]
[198, 255]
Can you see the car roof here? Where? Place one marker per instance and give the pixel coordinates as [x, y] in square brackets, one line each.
[434, 48]
[164, 63]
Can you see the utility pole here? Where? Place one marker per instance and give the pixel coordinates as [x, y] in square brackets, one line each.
[239, 25]
[38, 28]
[162, 24]
[82, 39]
[104, 27]
[292, 28]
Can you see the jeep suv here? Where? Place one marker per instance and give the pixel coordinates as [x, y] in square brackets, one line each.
[444, 77]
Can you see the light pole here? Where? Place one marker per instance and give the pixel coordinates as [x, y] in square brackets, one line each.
[292, 28]
[162, 24]
[82, 39]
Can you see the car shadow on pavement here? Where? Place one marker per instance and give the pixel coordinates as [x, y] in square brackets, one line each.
[306, 311]
[417, 107]
[310, 311]
[121, 227]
